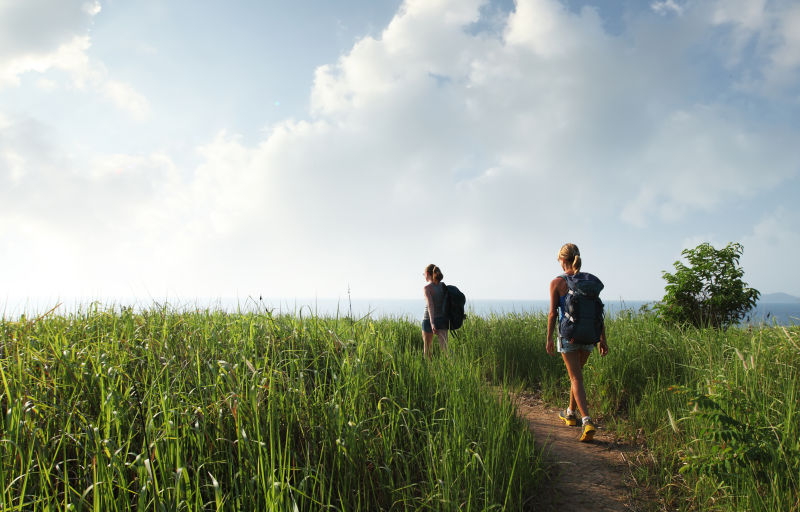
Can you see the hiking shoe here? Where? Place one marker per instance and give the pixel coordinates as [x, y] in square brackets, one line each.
[570, 419]
[588, 432]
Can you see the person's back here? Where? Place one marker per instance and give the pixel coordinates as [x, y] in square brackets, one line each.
[437, 294]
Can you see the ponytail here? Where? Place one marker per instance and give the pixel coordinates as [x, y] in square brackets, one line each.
[571, 255]
[435, 273]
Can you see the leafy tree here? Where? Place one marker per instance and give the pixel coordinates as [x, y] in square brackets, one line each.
[709, 291]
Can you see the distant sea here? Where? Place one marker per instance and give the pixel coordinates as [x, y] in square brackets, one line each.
[778, 313]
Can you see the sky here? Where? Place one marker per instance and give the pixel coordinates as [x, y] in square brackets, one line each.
[321, 148]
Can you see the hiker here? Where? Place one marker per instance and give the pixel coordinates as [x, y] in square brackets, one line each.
[574, 354]
[433, 320]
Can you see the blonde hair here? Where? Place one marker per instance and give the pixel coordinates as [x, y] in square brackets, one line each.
[435, 273]
[571, 255]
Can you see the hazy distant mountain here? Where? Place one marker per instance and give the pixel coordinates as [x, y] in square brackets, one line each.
[778, 297]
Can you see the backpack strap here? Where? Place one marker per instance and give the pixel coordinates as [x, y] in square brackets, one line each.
[570, 291]
[569, 288]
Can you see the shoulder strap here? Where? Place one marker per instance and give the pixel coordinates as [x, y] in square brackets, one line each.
[570, 284]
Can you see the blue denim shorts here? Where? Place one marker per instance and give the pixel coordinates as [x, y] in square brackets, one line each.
[440, 321]
[565, 346]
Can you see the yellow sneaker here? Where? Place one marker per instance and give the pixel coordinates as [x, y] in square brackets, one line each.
[570, 419]
[588, 432]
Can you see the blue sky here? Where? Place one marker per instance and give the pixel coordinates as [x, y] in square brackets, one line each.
[299, 149]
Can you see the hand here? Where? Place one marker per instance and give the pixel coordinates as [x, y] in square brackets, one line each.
[551, 347]
[603, 347]
[434, 329]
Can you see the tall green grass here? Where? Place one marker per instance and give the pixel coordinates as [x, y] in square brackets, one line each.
[167, 410]
[716, 410]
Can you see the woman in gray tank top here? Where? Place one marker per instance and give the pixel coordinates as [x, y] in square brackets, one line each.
[433, 320]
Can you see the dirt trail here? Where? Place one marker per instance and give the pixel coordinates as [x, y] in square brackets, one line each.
[583, 476]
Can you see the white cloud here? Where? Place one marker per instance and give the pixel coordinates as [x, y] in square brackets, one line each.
[550, 31]
[701, 159]
[127, 98]
[46, 85]
[785, 57]
[770, 31]
[427, 119]
[39, 35]
[666, 6]
[92, 7]
[15, 165]
[37, 27]
[428, 143]
[747, 14]
[70, 55]
[67, 225]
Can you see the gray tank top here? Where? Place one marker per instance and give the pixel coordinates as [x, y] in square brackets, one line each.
[438, 301]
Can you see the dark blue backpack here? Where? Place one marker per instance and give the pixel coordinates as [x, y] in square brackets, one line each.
[454, 302]
[583, 310]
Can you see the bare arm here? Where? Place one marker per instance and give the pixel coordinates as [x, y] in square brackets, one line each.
[552, 317]
[429, 300]
[603, 345]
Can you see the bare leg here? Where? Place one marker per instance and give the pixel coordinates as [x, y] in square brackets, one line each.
[427, 340]
[584, 356]
[574, 362]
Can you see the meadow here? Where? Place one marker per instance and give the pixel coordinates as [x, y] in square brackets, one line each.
[205, 410]
[112, 409]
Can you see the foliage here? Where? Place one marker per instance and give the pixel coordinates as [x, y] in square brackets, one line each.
[709, 291]
[732, 447]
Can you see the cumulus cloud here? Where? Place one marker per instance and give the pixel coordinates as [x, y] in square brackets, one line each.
[428, 119]
[37, 27]
[556, 93]
[37, 36]
[433, 141]
[764, 40]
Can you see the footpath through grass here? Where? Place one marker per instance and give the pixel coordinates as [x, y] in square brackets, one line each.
[716, 410]
[163, 410]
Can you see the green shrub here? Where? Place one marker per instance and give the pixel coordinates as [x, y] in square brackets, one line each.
[709, 291]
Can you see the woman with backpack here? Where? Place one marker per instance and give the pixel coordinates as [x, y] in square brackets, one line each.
[575, 348]
[433, 320]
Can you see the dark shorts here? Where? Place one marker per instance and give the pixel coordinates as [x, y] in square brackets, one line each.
[440, 321]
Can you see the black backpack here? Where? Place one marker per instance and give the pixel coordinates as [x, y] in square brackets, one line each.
[583, 316]
[454, 302]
